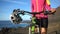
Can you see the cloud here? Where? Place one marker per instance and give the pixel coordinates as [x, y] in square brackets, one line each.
[15, 1]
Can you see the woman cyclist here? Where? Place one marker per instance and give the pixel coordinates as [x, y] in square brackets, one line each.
[41, 19]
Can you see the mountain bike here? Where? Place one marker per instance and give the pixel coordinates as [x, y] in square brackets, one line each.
[15, 18]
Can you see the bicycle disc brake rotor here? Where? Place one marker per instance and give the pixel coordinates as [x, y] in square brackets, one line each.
[16, 19]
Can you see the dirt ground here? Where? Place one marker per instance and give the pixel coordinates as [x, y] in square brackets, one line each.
[53, 28]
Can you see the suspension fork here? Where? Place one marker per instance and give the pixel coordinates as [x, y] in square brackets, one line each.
[32, 27]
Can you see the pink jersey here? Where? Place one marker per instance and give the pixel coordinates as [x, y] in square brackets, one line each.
[38, 5]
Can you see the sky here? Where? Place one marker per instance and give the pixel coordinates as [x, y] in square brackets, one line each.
[7, 6]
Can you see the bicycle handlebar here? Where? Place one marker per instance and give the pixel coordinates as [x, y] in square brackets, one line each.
[18, 11]
[34, 13]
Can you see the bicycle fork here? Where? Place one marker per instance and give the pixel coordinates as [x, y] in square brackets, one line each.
[32, 30]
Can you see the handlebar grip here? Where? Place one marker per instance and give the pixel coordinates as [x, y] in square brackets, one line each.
[49, 12]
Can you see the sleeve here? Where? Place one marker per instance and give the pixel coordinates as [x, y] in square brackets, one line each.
[48, 2]
[48, 6]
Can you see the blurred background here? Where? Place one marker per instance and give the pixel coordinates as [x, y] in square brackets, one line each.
[6, 8]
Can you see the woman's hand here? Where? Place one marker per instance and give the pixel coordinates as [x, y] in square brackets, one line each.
[53, 10]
